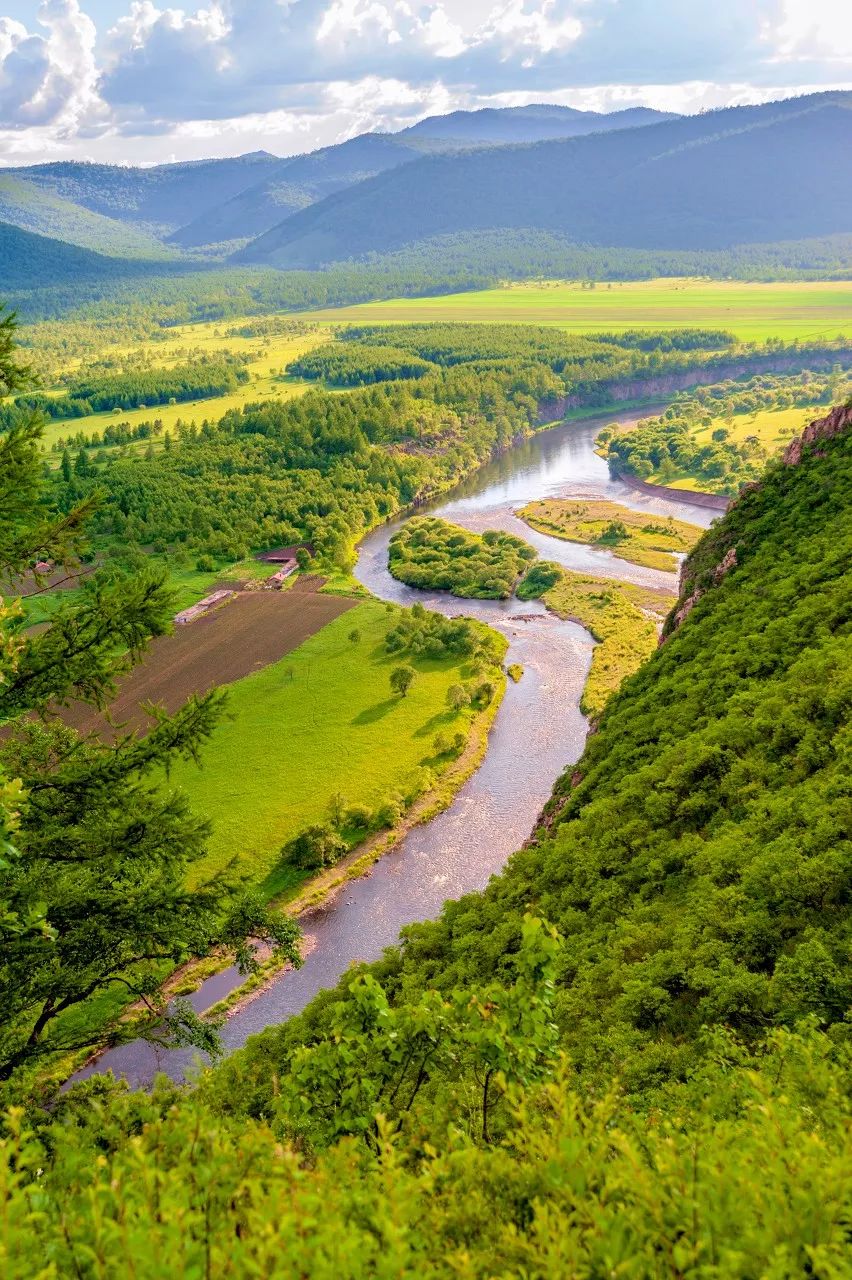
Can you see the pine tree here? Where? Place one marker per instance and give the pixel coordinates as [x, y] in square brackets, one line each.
[94, 850]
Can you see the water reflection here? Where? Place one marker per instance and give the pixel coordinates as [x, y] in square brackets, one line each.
[538, 731]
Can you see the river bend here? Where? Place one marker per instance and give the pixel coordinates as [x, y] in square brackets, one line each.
[537, 732]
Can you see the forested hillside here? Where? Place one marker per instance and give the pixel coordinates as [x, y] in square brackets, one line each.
[159, 197]
[701, 182]
[25, 257]
[294, 183]
[655, 1081]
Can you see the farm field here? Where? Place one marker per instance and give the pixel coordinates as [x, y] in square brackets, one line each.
[640, 537]
[247, 633]
[752, 311]
[322, 722]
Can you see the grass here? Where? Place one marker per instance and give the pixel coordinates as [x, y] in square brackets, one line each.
[266, 381]
[321, 722]
[774, 428]
[622, 617]
[649, 540]
[752, 311]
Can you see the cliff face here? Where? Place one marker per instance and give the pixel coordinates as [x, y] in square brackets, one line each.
[663, 386]
[709, 563]
[840, 419]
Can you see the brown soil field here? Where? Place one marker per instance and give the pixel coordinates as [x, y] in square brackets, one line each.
[251, 631]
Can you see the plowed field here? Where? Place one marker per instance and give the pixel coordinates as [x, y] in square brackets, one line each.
[251, 631]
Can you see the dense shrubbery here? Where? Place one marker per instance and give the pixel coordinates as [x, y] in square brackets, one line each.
[433, 554]
[539, 578]
[420, 631]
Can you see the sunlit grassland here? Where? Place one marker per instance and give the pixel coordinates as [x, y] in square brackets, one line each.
[753, 312]
[621, 616]
[643, 538]
[323, 721]
[774, 428]
[266, 379]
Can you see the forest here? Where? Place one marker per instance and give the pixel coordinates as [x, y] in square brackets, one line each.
[132, 390]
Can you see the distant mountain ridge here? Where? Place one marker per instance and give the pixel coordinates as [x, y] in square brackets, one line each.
[743, 174]
[534, 123]
[635, 178]
[193, 204]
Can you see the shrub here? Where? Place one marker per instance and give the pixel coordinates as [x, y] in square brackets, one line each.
[316, 847]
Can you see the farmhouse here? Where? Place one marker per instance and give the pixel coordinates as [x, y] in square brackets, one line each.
[276, 581]
[203, 606]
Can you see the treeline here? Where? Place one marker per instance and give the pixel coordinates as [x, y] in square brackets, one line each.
[114, 434]
[670, 339]
[321, 468]
[435, 555]
[666, 446]
[136, 389]
[589, 367]
[344, 365]
[533, 254]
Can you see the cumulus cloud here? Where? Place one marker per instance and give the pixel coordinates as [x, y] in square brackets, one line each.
[48, 79]
[293, 73]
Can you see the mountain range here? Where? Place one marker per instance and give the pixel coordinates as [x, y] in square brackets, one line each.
[635, 178]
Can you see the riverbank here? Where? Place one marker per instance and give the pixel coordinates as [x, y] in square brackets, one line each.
[538, 730]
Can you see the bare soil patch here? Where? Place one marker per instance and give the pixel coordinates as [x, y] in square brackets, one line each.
[249, 632]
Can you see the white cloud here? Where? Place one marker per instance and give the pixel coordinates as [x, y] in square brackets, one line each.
[813, 30]
[51, 78]
[289, 74]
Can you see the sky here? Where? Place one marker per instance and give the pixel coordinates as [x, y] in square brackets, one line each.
[128, 82]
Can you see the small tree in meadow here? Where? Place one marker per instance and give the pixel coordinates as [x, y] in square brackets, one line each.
[401, 680]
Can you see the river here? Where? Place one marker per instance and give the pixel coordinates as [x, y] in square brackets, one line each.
[537, 732]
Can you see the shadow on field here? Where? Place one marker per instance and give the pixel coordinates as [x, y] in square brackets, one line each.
[370, 714]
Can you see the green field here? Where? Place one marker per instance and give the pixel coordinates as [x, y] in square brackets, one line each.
[774, 428]
[322, 721]
[266, 380]
[752, 311]
[642, 538]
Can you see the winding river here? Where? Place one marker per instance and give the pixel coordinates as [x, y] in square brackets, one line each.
[538, 731]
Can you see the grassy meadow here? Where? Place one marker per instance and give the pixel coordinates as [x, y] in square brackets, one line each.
[266, 380]
[621, 616]
[774, 428]
[319, 723]
[637, 536]
[753, 312]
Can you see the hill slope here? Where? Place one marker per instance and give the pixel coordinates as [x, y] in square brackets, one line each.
[295, 183]
[700, 182]
[26, 258]
[36, 208]
[160, 198]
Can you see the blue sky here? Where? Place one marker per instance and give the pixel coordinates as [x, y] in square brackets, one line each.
[130, 81]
